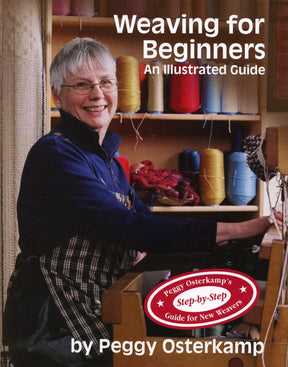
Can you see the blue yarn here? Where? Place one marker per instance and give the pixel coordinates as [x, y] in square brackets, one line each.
[211, 93]
[195, 161]
[241, 181]
[189, 160]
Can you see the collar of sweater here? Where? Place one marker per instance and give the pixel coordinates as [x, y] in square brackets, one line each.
[82, 135]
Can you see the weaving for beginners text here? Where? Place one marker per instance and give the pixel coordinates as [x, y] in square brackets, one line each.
[209, 27]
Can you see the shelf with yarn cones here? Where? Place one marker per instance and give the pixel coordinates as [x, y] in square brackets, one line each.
[177, 116]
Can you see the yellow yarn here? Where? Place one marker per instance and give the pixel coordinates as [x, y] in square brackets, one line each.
[128, 84]
[211, 177]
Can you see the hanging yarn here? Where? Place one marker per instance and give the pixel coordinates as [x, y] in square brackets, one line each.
[241, 181]
[230, 94]
[211, 177]
[184, 90]
[248, 99]
[129, 84]
[211, 93]
[129, 7]
[61, 7]
[83, 8]
[156, 89]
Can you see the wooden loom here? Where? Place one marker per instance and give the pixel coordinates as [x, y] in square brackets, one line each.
[123, 303]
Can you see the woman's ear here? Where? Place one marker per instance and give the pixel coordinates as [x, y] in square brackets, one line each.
[56, 98]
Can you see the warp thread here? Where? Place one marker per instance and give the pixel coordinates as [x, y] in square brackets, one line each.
[129, 84]
[211, 177]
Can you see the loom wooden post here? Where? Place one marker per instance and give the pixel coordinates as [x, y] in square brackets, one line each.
[272, 289]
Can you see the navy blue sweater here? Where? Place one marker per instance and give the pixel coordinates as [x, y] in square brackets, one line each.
[72, 185]
[68, 186]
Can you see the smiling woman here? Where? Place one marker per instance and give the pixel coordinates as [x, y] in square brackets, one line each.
[81, 224]
[86, 88]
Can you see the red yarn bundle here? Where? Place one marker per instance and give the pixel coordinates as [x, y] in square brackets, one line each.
[164, 186]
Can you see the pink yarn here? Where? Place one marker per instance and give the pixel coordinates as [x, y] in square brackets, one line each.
[61, 7]
[83, 8]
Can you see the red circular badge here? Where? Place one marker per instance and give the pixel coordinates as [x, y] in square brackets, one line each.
[201, 299]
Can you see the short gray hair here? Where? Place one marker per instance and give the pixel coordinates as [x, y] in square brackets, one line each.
[79, 54]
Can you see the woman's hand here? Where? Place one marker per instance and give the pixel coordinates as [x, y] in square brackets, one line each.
[249, 228]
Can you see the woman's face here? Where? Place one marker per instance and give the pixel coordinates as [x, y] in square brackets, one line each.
[95, 109]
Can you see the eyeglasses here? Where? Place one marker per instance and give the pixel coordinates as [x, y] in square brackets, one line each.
[106, 85]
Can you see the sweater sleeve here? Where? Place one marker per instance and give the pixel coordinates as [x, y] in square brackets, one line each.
[61, 195]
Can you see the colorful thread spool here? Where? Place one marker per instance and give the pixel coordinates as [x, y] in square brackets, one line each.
[129, 84]
[211, 177]
[189, 160]
[61, 7]
[156, 89]
[83, 8]
[184, 90]
[241, 181]
[211, 93]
